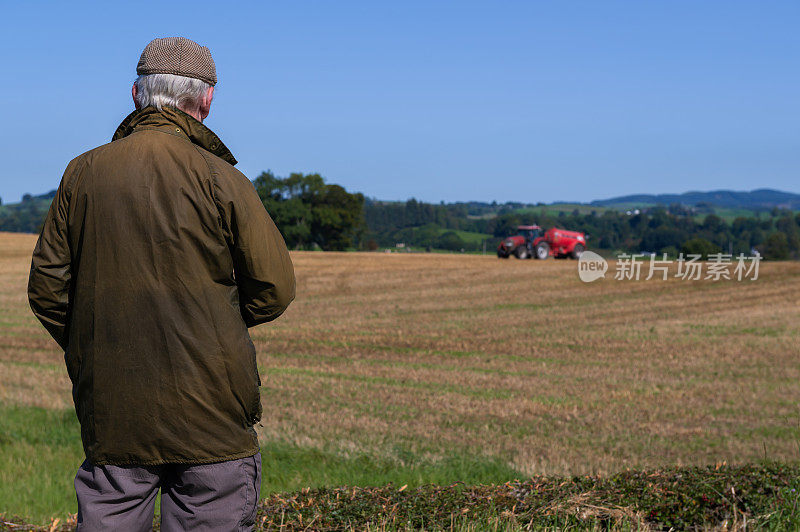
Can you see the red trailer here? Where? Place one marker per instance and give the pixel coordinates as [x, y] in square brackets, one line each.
[530, 241]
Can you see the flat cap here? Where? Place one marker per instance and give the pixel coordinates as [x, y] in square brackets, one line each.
[179, 56]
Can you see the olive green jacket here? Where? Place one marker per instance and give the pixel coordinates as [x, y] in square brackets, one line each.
[154, 259]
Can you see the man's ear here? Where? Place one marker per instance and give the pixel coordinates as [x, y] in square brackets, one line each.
[205, 107]
[133, 95]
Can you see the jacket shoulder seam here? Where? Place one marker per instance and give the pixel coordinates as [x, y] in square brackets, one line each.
[213, 176]
[80, 164]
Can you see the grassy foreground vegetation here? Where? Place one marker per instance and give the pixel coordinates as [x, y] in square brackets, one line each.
[763, 497]
[415, 369]
[40, 451]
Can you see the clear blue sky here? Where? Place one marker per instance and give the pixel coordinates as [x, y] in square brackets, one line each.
[529, 101]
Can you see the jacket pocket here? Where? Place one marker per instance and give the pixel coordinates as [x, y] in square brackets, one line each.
[255, 410]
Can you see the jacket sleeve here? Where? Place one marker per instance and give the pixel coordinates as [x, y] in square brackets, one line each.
[51, 269]
[262, 267]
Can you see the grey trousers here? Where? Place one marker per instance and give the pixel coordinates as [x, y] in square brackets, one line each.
[217, 496]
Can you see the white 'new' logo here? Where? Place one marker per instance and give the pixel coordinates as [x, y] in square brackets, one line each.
[591, 266]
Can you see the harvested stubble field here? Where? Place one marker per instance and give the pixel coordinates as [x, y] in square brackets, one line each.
[415, 368]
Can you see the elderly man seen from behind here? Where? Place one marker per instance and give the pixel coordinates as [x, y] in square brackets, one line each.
[154, 259]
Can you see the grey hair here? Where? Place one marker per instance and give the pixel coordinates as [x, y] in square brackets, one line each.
[169, 90]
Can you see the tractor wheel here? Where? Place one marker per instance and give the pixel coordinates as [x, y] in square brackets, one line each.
[542, 250]
[501, 255]
[577, 251]
[521, 252]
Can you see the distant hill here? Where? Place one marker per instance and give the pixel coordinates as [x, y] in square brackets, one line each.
[761, 199]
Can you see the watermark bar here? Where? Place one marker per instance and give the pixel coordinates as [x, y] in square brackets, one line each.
[636, 266]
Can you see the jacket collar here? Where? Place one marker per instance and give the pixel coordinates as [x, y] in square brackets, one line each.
[176, 122]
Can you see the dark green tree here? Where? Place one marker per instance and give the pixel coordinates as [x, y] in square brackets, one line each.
[450, 241]
[290, 213]
[308, 211]
[336, 217]
[776, 247]
[699, 246]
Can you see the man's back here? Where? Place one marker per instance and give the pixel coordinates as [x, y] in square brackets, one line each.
[154, 259]
[172, 258]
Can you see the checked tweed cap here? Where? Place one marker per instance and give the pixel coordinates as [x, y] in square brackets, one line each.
[179, 56]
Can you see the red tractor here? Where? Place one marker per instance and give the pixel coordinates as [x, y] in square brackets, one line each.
[531, 242]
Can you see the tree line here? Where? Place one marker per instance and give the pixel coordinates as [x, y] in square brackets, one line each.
[672, 229]
[313, 214]
[776, 235]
